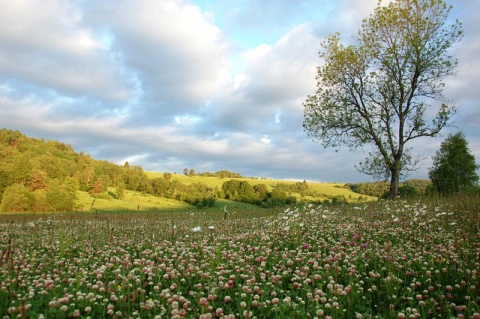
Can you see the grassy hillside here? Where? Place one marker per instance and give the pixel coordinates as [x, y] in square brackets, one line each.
[133, 201]
[324, 190]
[136, 201]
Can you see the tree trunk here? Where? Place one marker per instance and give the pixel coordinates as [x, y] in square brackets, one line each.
[394, 181]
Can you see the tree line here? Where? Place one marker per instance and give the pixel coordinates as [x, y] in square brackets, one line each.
[38, 175]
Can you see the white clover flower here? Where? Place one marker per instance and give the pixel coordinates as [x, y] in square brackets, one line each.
[196, 229]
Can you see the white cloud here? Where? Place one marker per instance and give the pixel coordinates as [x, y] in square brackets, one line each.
[148, 81]
[45, 44]
[275, 81]
[171, 46]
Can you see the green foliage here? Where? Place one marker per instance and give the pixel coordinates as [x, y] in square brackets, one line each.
[384, 89]
[410, 188]
[376, 189]
[198, 195]
[71, 186]
[420, 185]
[405, 191]
[454, 167]
[120, 192]
[16, 198]
[301, 188]
[278, 198]
[35, 163]
[240, 191]
[262, 191]
[221, 174]
[37, 180]
[58, 198]
[160, 186]
[40, 203]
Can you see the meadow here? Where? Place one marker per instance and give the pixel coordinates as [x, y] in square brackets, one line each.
[385, 259]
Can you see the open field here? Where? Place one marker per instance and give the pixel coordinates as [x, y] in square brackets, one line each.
[371, 260]
[136, 202]
[324, 190]
[133, 201]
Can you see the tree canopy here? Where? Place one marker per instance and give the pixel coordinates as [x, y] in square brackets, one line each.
[385, 90]
[454, 167]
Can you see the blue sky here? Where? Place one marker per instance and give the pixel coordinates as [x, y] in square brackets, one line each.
[207, 85]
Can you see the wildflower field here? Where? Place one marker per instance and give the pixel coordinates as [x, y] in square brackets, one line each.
[373, 260]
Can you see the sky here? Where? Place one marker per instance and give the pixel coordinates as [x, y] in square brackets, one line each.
[206, 85]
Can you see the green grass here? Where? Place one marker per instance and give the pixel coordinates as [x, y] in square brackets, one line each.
[324, 190]
[383, 259]
[133, 201]
[139, 202]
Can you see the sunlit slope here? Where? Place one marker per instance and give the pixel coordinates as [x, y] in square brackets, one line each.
[133, 201]
[136, 201]
[324, 190]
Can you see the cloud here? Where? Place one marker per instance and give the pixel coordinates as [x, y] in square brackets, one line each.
[45, 46]
[205, 85]
[275, 81]
[176, 55]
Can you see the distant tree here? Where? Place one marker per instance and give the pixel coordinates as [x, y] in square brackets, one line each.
[239, 191]
[198, 194]
[85, 173]
[120, 191]
[175, 189]
[99, 186]
[208, 201]
[9, 137]
[278, 195]
[262, 191]
[135, 178]
[185, 171]
[278, 198]
[404, 191]
[21, 168]
[37, 180]
[40, 203]
[231, 189]
[5, 181]
[58, 197]
[385, 90]
[71, 186]
[191, 172]
[160, 186]
[420, 185]
[454, 167]
[17, 198]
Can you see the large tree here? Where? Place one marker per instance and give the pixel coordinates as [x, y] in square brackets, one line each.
[385, 90]
[454, 166]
